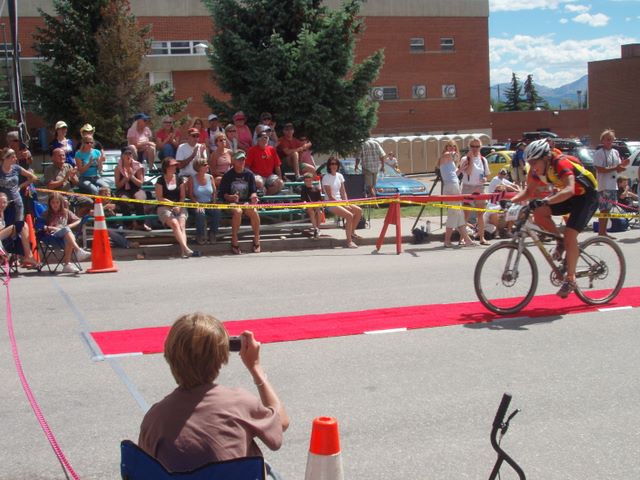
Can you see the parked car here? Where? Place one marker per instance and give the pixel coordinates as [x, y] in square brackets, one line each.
[487, 149]
[498, 161]
[568, 145]
[538, 134]
[585, 155]
[632, 169]
[388, 184]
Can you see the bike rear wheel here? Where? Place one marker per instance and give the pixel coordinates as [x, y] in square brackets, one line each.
[505, 281]
[600, 271]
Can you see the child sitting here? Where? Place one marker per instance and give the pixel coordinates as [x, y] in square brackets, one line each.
[59, 223]
[625, 196]
[311, 193]
[18, 229]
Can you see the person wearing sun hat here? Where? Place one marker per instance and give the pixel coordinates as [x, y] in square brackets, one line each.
[60, 140]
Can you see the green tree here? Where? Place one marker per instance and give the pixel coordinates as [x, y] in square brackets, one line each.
[122, 87]
[69, 51]
[513, 95]
[295, 59]
[166, 103]
[7, 119]
[533, 100]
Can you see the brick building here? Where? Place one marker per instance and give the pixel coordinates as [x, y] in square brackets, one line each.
[435, 78]
[614, 101]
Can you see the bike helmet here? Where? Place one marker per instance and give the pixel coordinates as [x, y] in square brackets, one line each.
[536, 150]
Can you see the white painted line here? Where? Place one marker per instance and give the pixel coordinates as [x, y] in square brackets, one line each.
[612, 309]
[390, 330]
[128, 354]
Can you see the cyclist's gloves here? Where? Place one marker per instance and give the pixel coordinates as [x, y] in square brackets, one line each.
[537, 203]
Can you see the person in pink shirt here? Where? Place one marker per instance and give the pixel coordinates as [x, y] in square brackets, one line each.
[245, 138]
[140, 136]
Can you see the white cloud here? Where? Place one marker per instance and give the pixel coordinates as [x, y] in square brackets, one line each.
[515, 5]
[563, 21]
[575, 8]
[553, 63]
[597, 20]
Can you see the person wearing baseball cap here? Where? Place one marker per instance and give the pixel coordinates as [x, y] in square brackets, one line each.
[266, 125]
[140, 136]
[297, 153]
[238, 186]
[264, 162]
[212, 130]
[60, 140]
[190, 151]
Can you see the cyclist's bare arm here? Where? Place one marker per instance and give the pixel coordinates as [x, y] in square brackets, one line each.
[564, 193]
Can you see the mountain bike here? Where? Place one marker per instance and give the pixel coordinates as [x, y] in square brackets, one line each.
[506, 275]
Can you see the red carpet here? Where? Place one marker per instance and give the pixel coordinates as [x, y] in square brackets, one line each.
[304, 327]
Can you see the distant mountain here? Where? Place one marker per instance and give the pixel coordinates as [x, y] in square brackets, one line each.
[564, 96]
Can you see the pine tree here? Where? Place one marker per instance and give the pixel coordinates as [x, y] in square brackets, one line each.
[295, 59]
[166, 103]
[531, 94]
[69, 52]
[513, 99]
[6, 113]
[121, 88]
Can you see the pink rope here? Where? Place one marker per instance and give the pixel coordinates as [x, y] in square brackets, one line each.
[27, 389]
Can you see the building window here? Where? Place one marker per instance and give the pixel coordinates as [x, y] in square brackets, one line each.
[419, 91]
[176, 47]
[157, 77]
[7, 48]
[416, 45]
[384, 93]
[447, 44]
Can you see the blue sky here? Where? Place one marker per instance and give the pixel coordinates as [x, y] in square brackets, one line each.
[555, 39]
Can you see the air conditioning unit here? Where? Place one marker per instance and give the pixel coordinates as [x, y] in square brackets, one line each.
[377, 93]
[449, 91]
[419, 91]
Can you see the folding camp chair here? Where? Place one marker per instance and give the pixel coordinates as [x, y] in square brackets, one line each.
[12, 245]
[136, 464]
[52, 247]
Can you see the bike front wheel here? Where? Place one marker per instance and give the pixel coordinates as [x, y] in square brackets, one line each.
[505, 280]
[600, 271]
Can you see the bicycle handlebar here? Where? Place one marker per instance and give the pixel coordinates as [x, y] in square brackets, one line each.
[502, 411]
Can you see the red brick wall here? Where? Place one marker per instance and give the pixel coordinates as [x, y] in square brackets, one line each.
[614, 101]
[467, 67]
[567, 123]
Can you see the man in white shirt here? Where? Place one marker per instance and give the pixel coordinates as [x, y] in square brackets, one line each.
[608, 166]
[190, 151]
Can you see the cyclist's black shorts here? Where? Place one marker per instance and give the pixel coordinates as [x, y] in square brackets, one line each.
[579, 207]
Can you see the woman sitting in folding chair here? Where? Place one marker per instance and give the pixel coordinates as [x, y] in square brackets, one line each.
[60, 222]
[12, 230]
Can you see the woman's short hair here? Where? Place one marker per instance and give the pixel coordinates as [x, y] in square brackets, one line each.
[196, 348]
[606, 133]
[200, 162]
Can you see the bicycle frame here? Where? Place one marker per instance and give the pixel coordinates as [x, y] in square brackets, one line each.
[500, 425]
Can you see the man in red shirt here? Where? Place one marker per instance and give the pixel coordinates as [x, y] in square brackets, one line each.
[297, 152]
[264, 162]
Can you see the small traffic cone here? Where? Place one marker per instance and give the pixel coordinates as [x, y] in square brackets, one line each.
[324, 461]
[101, 259]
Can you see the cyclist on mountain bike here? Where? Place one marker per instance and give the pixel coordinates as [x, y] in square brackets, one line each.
[575, 193]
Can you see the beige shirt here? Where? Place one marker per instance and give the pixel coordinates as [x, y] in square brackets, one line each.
[190, 428]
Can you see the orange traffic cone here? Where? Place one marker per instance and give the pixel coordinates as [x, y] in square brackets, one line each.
[101, 259]
[32, 237]
[324, 461]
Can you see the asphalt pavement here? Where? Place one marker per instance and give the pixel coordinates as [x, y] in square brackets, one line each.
[413, 404]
